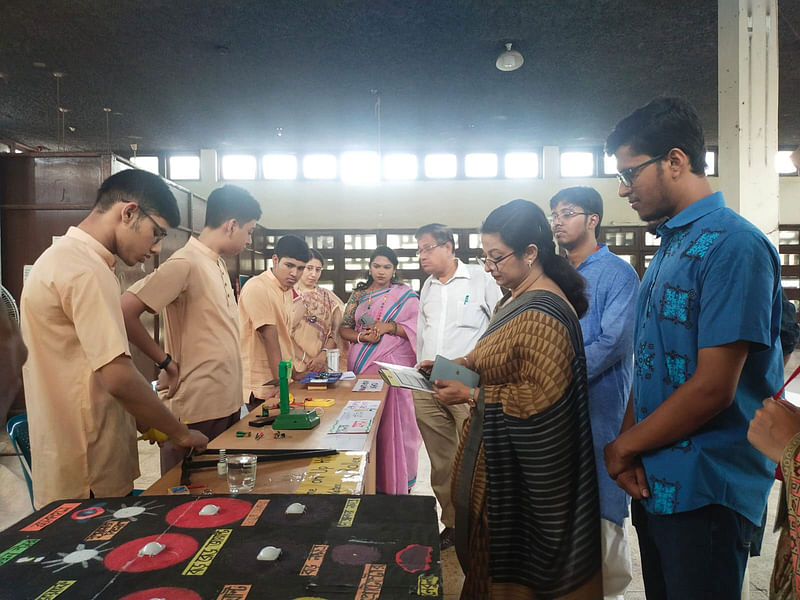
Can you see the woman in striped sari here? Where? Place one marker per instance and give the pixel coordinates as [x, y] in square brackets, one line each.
[380, 320]
[524, 485]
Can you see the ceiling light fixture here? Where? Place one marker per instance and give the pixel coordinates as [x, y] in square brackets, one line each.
[510, 60]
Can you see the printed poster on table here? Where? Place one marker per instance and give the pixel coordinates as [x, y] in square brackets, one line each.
[356, 417]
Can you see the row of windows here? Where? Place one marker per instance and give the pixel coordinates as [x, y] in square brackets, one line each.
[370, 167]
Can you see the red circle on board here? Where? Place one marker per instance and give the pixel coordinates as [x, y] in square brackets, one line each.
[88, 513]
[167, 593]
[126, 558]
[188, 515]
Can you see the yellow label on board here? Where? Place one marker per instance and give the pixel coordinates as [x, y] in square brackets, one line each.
[55, 589]
[341, 473]
[428, 585]
[349, 512]
[202, 560]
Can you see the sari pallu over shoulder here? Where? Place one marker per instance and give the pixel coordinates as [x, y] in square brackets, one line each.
[540, 497]
[399, 303]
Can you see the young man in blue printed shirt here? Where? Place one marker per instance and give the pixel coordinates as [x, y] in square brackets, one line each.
[611, 286]
[706, 352]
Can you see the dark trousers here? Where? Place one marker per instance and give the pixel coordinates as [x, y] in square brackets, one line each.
[696, 555]
[173, 455]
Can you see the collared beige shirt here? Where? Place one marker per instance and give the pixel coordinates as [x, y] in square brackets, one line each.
[262, 302]
[82, 439]
[193, 290]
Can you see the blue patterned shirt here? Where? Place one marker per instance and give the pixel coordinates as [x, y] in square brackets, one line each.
[607, 326]
[714, 280]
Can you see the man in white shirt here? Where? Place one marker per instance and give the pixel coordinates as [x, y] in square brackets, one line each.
[455, 305]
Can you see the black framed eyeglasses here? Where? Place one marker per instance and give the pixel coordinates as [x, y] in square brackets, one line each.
[160, 233]
[626, 176]
[493, 262]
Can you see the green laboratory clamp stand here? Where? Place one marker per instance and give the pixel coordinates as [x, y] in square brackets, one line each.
[291, 419]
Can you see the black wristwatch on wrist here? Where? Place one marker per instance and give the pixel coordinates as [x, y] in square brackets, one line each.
[163, 364]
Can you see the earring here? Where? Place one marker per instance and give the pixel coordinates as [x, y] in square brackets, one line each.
[530, 264]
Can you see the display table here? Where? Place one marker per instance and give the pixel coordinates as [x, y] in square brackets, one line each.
[352, 471]
[355, 547]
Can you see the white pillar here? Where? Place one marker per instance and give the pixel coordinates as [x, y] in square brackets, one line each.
[748, 109]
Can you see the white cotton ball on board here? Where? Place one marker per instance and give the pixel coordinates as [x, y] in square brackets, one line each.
[269, 553]
[295, 509]
[151, 549]
[209, 509]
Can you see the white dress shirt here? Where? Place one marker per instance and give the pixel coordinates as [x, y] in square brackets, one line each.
[453, 315]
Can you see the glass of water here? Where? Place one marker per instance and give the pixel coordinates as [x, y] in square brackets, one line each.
[241, 472]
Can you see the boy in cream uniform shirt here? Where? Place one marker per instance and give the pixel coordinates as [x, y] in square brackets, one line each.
[202, 378]
[265, 306]
[83, 394]
[455, 305]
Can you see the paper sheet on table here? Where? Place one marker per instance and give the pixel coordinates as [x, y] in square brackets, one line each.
[404, 377]
[347, 376]
[356, 417]
[368, 385]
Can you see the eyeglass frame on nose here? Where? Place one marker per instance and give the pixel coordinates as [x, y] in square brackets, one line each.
[429, 248]
[561, 217]
[162, 233]
[486, 261]
[627, 176]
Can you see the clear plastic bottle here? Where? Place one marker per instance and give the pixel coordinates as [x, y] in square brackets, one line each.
[222, 465]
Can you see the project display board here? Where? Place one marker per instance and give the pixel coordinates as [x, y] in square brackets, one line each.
[214, 547]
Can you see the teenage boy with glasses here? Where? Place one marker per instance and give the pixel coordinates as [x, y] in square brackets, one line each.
[707, 351]
[607, 326]
[84, 396]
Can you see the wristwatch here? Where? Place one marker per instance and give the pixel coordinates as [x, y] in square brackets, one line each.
[163, 364]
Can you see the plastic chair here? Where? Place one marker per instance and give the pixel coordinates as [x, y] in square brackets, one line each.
[17, 428]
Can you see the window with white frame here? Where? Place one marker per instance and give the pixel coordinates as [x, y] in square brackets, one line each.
[711, 163]
[146, 163]
[184, 167]
[576, 163]
[239, 166]
[441, 166]
[480, 165]
[279, 166]
[360, 167]
[400, 166]
[520, 165]
[319, 166]
[783, 163]
[609, 164]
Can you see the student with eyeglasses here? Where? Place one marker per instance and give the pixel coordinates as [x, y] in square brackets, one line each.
[706, 352]
[200, 367]
[455, 305]
[83, 394]
[607, 328]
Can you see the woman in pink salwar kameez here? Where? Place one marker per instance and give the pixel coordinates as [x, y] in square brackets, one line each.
[380, 319]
